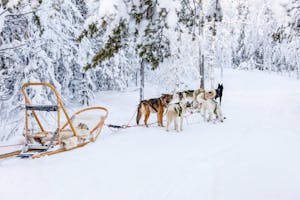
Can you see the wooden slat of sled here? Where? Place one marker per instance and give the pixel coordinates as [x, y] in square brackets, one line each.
[6, 155]
[57, 151]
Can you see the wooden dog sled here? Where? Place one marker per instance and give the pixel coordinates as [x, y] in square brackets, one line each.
[64, 137]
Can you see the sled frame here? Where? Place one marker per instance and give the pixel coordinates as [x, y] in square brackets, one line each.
[60, 109]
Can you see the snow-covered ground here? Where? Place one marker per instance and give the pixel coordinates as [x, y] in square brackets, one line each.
[253, 155]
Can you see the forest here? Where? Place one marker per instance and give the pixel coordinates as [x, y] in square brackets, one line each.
[86, 46]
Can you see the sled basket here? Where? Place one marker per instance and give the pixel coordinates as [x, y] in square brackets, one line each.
[66, 136]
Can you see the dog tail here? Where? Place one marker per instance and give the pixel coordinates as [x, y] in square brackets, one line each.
[139, 113]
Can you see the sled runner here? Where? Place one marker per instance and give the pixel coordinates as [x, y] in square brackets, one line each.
[64, 137]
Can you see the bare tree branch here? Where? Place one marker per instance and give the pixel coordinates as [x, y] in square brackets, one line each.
[9, 48]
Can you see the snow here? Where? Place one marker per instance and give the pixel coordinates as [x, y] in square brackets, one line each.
[2, 18]
[254, 154]
[112, 7]
[277, 6]
[12, 3]
[172, 8]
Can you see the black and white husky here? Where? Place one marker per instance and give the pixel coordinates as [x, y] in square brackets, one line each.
[219, 92]
[175, 112]
[211, 106]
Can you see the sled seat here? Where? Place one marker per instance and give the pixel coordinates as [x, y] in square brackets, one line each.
[36, 147]
[46, 108]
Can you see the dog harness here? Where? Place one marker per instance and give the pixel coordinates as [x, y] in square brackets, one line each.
[144, 101]
[178, 109]
[216, 105]
[189, 92]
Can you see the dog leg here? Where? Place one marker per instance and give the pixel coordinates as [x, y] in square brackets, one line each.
[219, 115]
[146, 118]
[158, 119]
[168, 123]
[160, 114]
[181, 122]
[176, 124]
[195, 105]
[210, 114]
[200, 107]
[138, 116]
[204, 114]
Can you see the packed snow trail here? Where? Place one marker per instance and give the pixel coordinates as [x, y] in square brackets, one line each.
[254, 154]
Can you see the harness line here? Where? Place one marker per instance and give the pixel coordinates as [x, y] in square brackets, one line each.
[11, 145]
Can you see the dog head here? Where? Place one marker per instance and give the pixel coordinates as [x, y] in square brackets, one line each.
[179, 95]
[210, 94]
[166, 99]
[219, 90]
[220, 85]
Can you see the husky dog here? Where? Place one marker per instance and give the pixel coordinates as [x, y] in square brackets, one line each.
[207, 94]
[207, 103]
[156, 105]
[219, 92]
[192, 94]
[175, 112]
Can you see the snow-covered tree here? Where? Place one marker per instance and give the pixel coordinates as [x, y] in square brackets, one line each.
[120, 42]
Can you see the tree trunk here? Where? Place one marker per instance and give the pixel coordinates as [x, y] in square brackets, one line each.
[212, 53]
[201, 69]
[142, 79]
[201, 56]
[136, 78]
[201, 63]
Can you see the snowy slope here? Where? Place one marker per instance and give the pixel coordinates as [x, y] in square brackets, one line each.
[253, 155]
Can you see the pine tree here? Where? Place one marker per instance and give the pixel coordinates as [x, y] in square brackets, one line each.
[146, 36]
[291, 39]
[153, 46]
[240, 54]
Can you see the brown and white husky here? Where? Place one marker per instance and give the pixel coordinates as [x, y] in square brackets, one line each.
[156, 105]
